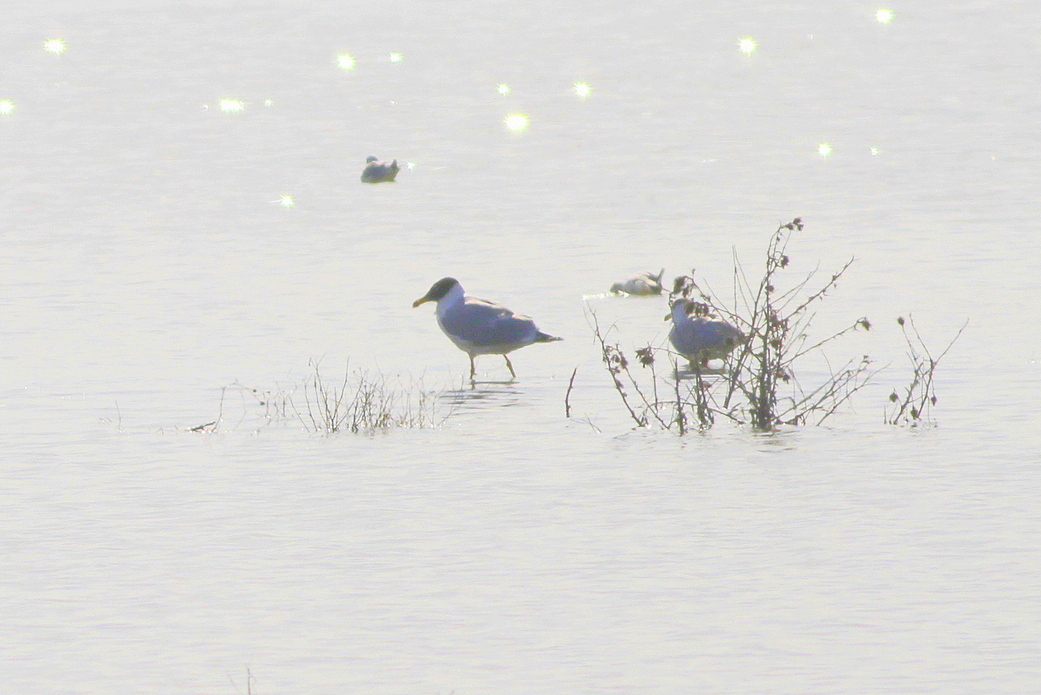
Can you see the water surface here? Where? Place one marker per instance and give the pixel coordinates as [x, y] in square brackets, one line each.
[148, 268]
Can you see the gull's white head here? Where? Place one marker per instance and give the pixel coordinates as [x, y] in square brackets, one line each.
[680, 310]
[438, 291]
[685, 309]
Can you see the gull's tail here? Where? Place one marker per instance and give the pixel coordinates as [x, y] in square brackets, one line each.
[541, 337]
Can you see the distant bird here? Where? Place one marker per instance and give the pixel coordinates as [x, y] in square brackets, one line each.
[701, 339]
[480, 327]
[378, 172]
[641, 283]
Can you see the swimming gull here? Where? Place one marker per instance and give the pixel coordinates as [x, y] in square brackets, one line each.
[379, 172]
[641, 283]
[480, 327]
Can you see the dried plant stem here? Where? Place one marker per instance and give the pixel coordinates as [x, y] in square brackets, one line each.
[615, 362]
[567, 396]
[359, 402]
[679, 417]
[912, 409]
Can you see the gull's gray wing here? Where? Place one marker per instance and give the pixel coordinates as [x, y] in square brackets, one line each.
[379, 172]
[705, 338]
[484, 323]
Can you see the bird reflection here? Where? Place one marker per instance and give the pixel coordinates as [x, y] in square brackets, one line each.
[479, 395]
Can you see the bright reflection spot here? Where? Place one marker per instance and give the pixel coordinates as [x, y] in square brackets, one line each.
[285, 200]
[884, 16]
[395, 57]
[268, 102]
[504, 89]
[55, 46]
[874, 150]
[747, 46]
[6, 107]
[517, 122]
[410, 165]
[824, 149]
[345, 61]
[582, 89]
[231, 105]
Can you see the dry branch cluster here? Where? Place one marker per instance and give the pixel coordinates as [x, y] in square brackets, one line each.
[758, 383]
[919, 395]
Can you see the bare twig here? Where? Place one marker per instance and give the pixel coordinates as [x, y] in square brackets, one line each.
[615, 361]
[213, 425]
[919, 395]
[567, 396]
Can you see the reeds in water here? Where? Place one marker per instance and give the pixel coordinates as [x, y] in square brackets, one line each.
[359, 402]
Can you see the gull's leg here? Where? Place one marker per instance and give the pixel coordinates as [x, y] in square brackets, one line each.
[512, 373]
[473, 370]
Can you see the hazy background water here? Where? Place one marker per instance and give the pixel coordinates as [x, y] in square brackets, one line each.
[145, 263]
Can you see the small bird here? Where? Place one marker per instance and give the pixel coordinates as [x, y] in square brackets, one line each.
[480, 327]
[379, 172]
[701, 339]
[641, 283]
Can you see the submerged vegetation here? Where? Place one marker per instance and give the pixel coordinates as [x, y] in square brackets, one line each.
[360, 402]
[757, 384]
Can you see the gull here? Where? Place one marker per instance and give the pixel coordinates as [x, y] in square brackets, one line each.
[701, 339]
[378, 172]
[480, 327]
[641, 283]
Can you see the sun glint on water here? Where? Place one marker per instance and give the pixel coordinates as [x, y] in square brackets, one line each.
[517, 122]
[884, 16]
[55, 46]
[345, 61]
[231, 105]
[582, 89]
[747, 46]
[6, 107]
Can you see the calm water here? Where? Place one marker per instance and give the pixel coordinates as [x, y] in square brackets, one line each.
[146, 264]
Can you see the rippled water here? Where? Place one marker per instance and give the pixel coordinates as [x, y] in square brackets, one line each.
[151, 278]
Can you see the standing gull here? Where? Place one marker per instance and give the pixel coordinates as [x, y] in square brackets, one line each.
[701, 339]
[378, 172]
[480, 327]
